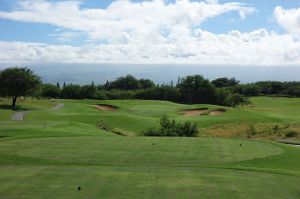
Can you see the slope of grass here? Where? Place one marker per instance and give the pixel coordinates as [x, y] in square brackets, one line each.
[51, 153]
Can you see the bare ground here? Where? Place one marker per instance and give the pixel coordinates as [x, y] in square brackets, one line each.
[104, 107]
[194, 112]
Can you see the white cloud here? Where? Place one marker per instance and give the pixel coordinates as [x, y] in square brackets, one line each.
[124, 21]
[259, 47]
[148, 32]
[289, 19]
[66, 36]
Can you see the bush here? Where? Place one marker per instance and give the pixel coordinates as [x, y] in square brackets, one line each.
[171, 128]
[234, 100]
[251, 131]
[50, 91]
[291, 134]
[159, 93]
[119, 94]
[88, 92]
[71, 92]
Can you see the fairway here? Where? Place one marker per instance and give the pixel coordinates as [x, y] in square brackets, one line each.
[52, 152]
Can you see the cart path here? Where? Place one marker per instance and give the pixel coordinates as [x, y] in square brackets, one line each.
[19, 116]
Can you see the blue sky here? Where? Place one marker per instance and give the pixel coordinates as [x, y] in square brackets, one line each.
[240, 32]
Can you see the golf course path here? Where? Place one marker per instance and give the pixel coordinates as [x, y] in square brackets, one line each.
[19, 116]
[56, 107]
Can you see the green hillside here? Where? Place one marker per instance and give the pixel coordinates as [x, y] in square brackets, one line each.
[52, 152]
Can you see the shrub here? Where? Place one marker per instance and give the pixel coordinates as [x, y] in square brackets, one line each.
[291, 134]
[234, 100]
[70, 92]
[171, 128]
[50, 91]
[159, 93]
[151, 132]
[252, 130]
[119, 94]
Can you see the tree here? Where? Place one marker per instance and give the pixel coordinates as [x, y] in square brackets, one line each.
[125, 83]
[196, 89]
[224, 82]
[16, 82]
[51, 91]
[146, 83]
[71, 92]
[235, 99]
[88, 92]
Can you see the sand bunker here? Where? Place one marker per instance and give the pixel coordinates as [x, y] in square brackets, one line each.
[194, 112]
[105, 107]
[217, 112]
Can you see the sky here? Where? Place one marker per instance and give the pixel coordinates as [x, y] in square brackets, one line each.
[205, 32]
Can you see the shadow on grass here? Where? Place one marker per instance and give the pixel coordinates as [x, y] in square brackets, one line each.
[17, 108]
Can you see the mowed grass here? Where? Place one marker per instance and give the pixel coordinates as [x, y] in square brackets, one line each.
[51, 153]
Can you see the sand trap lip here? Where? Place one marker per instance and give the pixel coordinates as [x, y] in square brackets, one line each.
[194, 112]
[217, 112]
[105, 107]
[296, 144]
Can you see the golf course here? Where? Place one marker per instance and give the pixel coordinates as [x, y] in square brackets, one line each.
[96, 149]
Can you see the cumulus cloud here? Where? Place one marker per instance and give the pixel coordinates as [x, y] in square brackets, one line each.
[289, 19]
[259, 47]
[124, 21]
[155, 31]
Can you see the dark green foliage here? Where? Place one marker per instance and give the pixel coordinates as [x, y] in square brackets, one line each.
[50, 91]
[71, 92]
[291, 133]
[123, 83]
[225, 82]
[292, 89]
[269, 88]
[159, 93]
[16, 82]
[190, 89]
[88, 92]
[235, 100]
[220, 95]
[247, 89]
[102, 125]
[196, 89]
[119, 94]
[251, 131]
[172, 128]
[146, 83]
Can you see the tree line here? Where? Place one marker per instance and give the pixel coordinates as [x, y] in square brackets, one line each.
[192, 89]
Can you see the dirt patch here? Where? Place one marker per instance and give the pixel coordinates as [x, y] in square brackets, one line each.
[194, 112]
[105, 107]
[217, 112]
